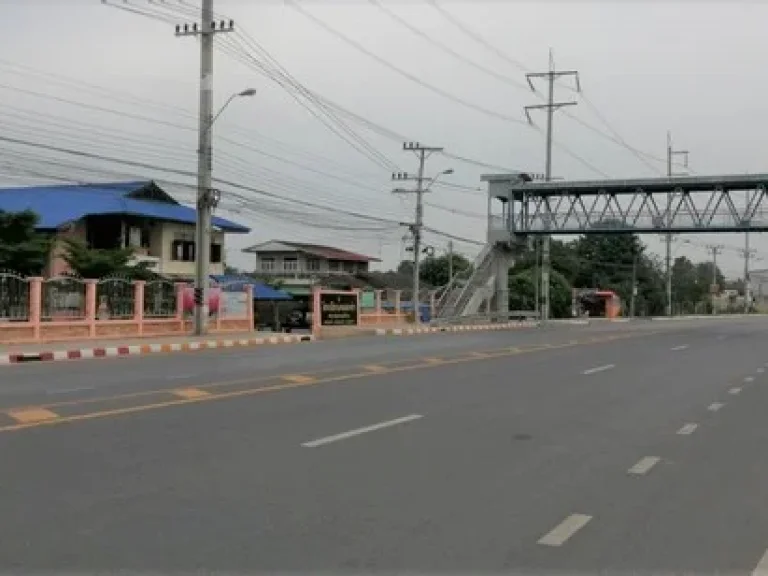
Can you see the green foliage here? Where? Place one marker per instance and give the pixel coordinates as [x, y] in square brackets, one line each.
[92, 263]
[435, 270]
[522, 292]
[22, 249]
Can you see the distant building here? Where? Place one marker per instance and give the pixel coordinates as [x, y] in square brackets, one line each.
[299, 265]
[118, 215]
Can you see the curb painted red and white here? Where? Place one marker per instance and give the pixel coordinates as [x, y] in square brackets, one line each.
[461, 328]
[142, 349]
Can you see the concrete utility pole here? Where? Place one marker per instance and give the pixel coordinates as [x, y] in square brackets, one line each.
[747, 253]
[207, 198]
[550, 107]
[715, 249]
[423, 152]
[450, 261]
[671, 153]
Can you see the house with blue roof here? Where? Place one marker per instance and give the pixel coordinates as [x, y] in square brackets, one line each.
[139, 215]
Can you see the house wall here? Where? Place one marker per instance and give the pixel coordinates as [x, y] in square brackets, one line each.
[324, 266]
[161, 238]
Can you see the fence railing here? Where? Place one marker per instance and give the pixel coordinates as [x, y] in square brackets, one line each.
[70, 308]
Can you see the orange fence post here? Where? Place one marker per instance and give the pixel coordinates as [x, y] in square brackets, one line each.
[138, 305]
[35, 305]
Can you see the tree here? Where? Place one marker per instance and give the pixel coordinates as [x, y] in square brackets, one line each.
[99, 263]
[435, 270]
[22, 249]
[522, 292]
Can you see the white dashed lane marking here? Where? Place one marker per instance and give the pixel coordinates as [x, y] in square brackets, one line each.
[644, 465]
[735, 390]
[688, 429]
[599, 369]
[715, 406]
[563, 531]
[681, 347]
[749, 379]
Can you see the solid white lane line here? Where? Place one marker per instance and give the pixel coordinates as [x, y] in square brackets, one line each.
[358, 431]
[749, 379]
[69, 390]
[681, 347]
[599, 369]
[564, 530]
[688, 429]
[644, 465]
[762, 567]
[735, 390]
[715, 406]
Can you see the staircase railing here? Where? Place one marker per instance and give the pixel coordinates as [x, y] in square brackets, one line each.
[454, 289]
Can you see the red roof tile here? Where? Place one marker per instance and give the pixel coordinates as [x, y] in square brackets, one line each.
[330, 253]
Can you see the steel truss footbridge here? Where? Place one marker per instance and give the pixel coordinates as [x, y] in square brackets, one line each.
[519, 207]
[734, 203]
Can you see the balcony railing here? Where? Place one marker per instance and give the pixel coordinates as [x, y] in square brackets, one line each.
[305, 274]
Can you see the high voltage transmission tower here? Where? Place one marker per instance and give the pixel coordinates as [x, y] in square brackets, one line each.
[423, 152]
[552, 75]
[671, 153]
[207, 197]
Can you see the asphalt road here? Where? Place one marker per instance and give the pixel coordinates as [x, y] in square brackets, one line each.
[617, 447]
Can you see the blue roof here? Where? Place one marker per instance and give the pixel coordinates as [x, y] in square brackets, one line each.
[61, 204]
[260, 291]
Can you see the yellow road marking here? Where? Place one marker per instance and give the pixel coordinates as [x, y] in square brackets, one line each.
[299, 378]
[433, 360]
[191, 393]
[53, 419]
[32, 415]
[375, 368]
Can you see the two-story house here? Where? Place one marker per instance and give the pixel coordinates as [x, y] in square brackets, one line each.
[298, 265]
[139, 215]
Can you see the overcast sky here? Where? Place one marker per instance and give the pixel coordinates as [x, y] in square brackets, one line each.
[78, 74]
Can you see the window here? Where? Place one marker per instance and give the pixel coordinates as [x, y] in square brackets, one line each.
[350, 267]
[183, 251]
[290, 264]
[313, 265]
[216, 253]
[267, 264]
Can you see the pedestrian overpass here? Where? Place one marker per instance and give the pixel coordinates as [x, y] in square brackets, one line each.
[519, 208]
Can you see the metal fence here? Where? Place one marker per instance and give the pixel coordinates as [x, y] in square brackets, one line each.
[160, 299]
[14, 297]
[115, 299]
[63, 297]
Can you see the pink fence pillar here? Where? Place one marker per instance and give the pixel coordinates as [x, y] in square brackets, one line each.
[35, 304]
[180, 288]
[249, 306]
[90, 306]
[397, 305]
[316, 311]
[377, 296]
[138, 305]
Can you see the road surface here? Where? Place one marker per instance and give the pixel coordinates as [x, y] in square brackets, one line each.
[615, 447]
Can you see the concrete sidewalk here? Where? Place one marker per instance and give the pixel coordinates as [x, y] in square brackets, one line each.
[76, 350]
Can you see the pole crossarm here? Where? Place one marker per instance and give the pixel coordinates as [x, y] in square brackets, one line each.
[703, 204]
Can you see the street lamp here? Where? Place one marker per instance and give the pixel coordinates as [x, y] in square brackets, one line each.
[206, 201]
[248, 92]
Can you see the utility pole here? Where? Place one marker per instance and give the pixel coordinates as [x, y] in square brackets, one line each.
[207, 198]
[715, 249]
[633, 297]
[552, 75]
[671, 153]
[422, 152]
[747, 253]
[450, 261]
